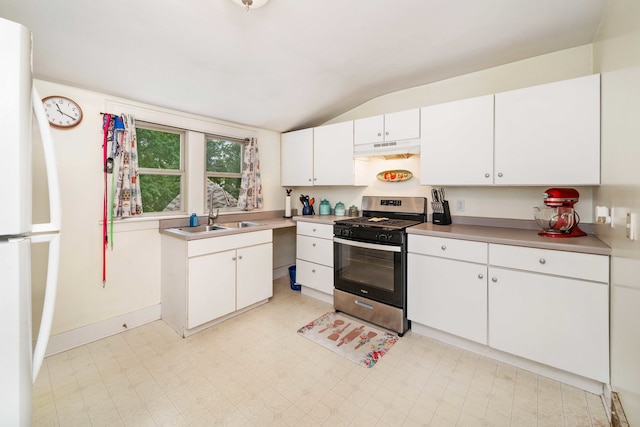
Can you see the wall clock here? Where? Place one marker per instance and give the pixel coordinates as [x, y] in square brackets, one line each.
[62, 112]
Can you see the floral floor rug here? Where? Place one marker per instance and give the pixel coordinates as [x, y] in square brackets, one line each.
[357, 341]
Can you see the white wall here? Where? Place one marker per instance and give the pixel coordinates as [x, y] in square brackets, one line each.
[496, 202]
[617, 58]
[82, 300]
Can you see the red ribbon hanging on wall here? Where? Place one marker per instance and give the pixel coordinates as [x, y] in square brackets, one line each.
[106, 120]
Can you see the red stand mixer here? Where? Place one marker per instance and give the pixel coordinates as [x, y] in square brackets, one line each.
[559, 218]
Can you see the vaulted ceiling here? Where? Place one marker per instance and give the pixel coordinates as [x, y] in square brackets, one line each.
[291, 63]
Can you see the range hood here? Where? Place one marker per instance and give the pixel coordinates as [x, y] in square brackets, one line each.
[388, 149]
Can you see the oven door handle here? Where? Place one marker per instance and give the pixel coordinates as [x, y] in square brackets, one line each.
[376, 247]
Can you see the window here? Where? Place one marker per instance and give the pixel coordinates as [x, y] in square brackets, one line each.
[161, 164]
[223, 170]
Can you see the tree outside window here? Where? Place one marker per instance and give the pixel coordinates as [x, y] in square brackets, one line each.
[223, 169]
[160, 161]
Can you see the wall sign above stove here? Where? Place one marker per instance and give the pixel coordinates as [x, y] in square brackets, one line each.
[395, 175]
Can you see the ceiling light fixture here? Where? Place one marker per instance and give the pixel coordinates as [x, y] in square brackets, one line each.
[250, 4]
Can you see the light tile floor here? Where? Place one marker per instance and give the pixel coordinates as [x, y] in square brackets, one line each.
[254, 370]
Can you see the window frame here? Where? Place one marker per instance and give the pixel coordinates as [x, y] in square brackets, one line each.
[195, 127]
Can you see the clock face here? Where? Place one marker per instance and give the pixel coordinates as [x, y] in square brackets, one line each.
[62, 112]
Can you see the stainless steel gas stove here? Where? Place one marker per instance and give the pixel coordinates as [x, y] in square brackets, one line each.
[370, 260]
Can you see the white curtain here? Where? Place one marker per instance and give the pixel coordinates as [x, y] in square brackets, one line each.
[127, 200]
[251, 186]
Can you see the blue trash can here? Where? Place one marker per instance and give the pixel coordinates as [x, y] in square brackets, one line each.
[292, 278]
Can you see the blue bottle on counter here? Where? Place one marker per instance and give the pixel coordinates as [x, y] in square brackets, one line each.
[193, 220]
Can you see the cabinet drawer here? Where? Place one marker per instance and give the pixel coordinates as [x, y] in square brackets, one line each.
[318, 277]
[230, 241]
[463, 250]
[324, 231]
[558, 263]
[319, 251]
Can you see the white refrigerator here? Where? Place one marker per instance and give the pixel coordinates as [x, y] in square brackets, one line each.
[20, 359]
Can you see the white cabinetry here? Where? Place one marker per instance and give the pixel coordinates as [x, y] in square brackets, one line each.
[388, 127]
[314, 257]
[527, 140]
[206, 279]
[296, 158]
[447, 286]
[321, 156]
[541, 128]
[457, 143]
[551, 307]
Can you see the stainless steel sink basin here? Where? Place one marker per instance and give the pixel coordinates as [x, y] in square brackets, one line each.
[202, 228]
[220, 226]
[238, 224]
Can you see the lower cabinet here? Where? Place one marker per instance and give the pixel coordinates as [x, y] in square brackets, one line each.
[314, 256]
[448, 294]
[559, 320]
[547, 306]
[204, 280]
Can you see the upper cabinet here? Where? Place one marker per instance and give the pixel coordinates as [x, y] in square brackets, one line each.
[296, 158]
[320, 156]
[388, 127]
[457, 143]
[549, 134]
[542, 135]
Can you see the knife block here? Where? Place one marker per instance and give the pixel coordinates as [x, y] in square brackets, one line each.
[443, 216]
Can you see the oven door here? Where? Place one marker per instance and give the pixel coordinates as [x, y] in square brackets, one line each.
[374, 271]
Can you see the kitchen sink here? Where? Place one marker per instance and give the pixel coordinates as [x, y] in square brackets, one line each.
[220, 226]
[238, 224]
[202, 228]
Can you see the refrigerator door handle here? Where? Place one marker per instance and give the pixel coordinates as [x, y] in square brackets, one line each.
[52, 168]
[51, 289]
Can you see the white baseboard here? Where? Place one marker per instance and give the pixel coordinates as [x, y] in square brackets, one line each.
[86, 334]
[279, 272]
[586, 384]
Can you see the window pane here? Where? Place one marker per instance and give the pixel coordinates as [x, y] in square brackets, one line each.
[158, 149]
[224, 156]
[160, 193]
[225, 191]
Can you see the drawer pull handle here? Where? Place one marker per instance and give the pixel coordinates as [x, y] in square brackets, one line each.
[364, 304]
[314, 230]
[313, 271]
[500, 175]
[233, 259]
[494, 279]
[486, 175]
[480, 276]
[313, 244]
[543, 261]
[240, 257]
[443, 247]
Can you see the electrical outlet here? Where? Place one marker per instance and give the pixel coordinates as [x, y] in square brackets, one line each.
[459, 205]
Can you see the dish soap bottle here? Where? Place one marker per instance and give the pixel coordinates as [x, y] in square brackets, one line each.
[193, 220]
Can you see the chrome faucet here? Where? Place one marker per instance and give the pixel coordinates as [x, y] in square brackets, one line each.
[211, 217]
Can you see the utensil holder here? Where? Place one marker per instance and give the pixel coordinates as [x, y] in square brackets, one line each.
[307, 210]
[441, 213]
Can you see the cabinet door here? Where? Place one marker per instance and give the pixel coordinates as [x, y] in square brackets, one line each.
[296, 158]
[315, 276]
[368, 130]
[402, 125]
[333, 162]
[254, 274]
[457, 143]
[557, 321]
[211, 288]
[549, 134]
[448, 295]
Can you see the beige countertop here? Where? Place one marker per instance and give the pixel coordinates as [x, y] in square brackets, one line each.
[512, 236]
[320, 219]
